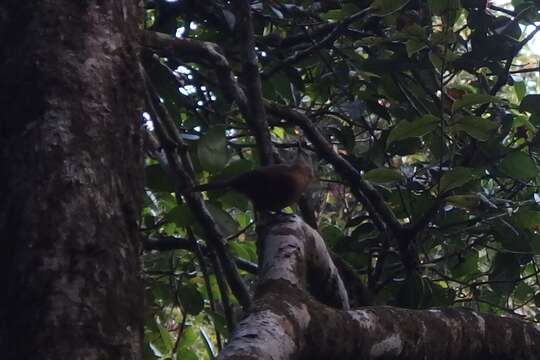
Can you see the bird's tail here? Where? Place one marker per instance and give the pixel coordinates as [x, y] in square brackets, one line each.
[214, 185]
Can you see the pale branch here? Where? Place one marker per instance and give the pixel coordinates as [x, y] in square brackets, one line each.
[252, 81]
[292, 251]
[287, 322]
[179, 165]
[288, 245]
[444, 334]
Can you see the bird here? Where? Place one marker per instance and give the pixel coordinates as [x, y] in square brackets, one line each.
[270, 188]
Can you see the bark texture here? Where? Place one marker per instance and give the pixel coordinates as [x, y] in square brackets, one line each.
[288, 321]
[71, 165]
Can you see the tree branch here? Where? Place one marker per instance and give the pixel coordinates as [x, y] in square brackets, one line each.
[178, 165]
[327, 40]
[201, 52]
[366, 193]
[252, 81]
[211, 55]
[288, 323]
[164, 243]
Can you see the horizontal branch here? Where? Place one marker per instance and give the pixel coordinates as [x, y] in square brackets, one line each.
[164, 243]
[286, 322]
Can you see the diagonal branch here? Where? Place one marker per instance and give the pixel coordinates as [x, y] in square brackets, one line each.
[201, 52]
[211, 55]
[327, 40]
[367, 194]
[382, 215]
[179, 166]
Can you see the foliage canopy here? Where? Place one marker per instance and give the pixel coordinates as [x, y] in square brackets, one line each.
[434, 102]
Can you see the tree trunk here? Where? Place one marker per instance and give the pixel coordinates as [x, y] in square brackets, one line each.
[71, 180]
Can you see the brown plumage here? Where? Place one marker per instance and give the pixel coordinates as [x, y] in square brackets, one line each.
[271, 187]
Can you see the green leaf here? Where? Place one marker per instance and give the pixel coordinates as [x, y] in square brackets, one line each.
[225, 221]
[157, 179]
[232, 200]
[186, 344]
[408, 129]
[244, 249]
[473, 99]
[469, 202]
[437, 60]
[405, 147]
[181, 215]
[518, 165]
[512, 237]
[520, 88]
[148, 354]
[166, 338]
[441, 7]
[537, 299]
[383, 175]
[219, 322]
[185, 354]
[387, 7]
[212, 149]
[251, 248]
[345, 135]
[187, 338]
[455, 178]
[336, 14]
[441, 295]
[191, 299]
[414, 45]
[531, 103]
[331, 234]
[207, 344]
[415, 292]
[279, 132]
[479, 128]
[506, 271]
[278, 87]
[466, 266]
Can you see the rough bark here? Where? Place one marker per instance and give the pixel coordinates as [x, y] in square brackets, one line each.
[287, 322]
[71, 165]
